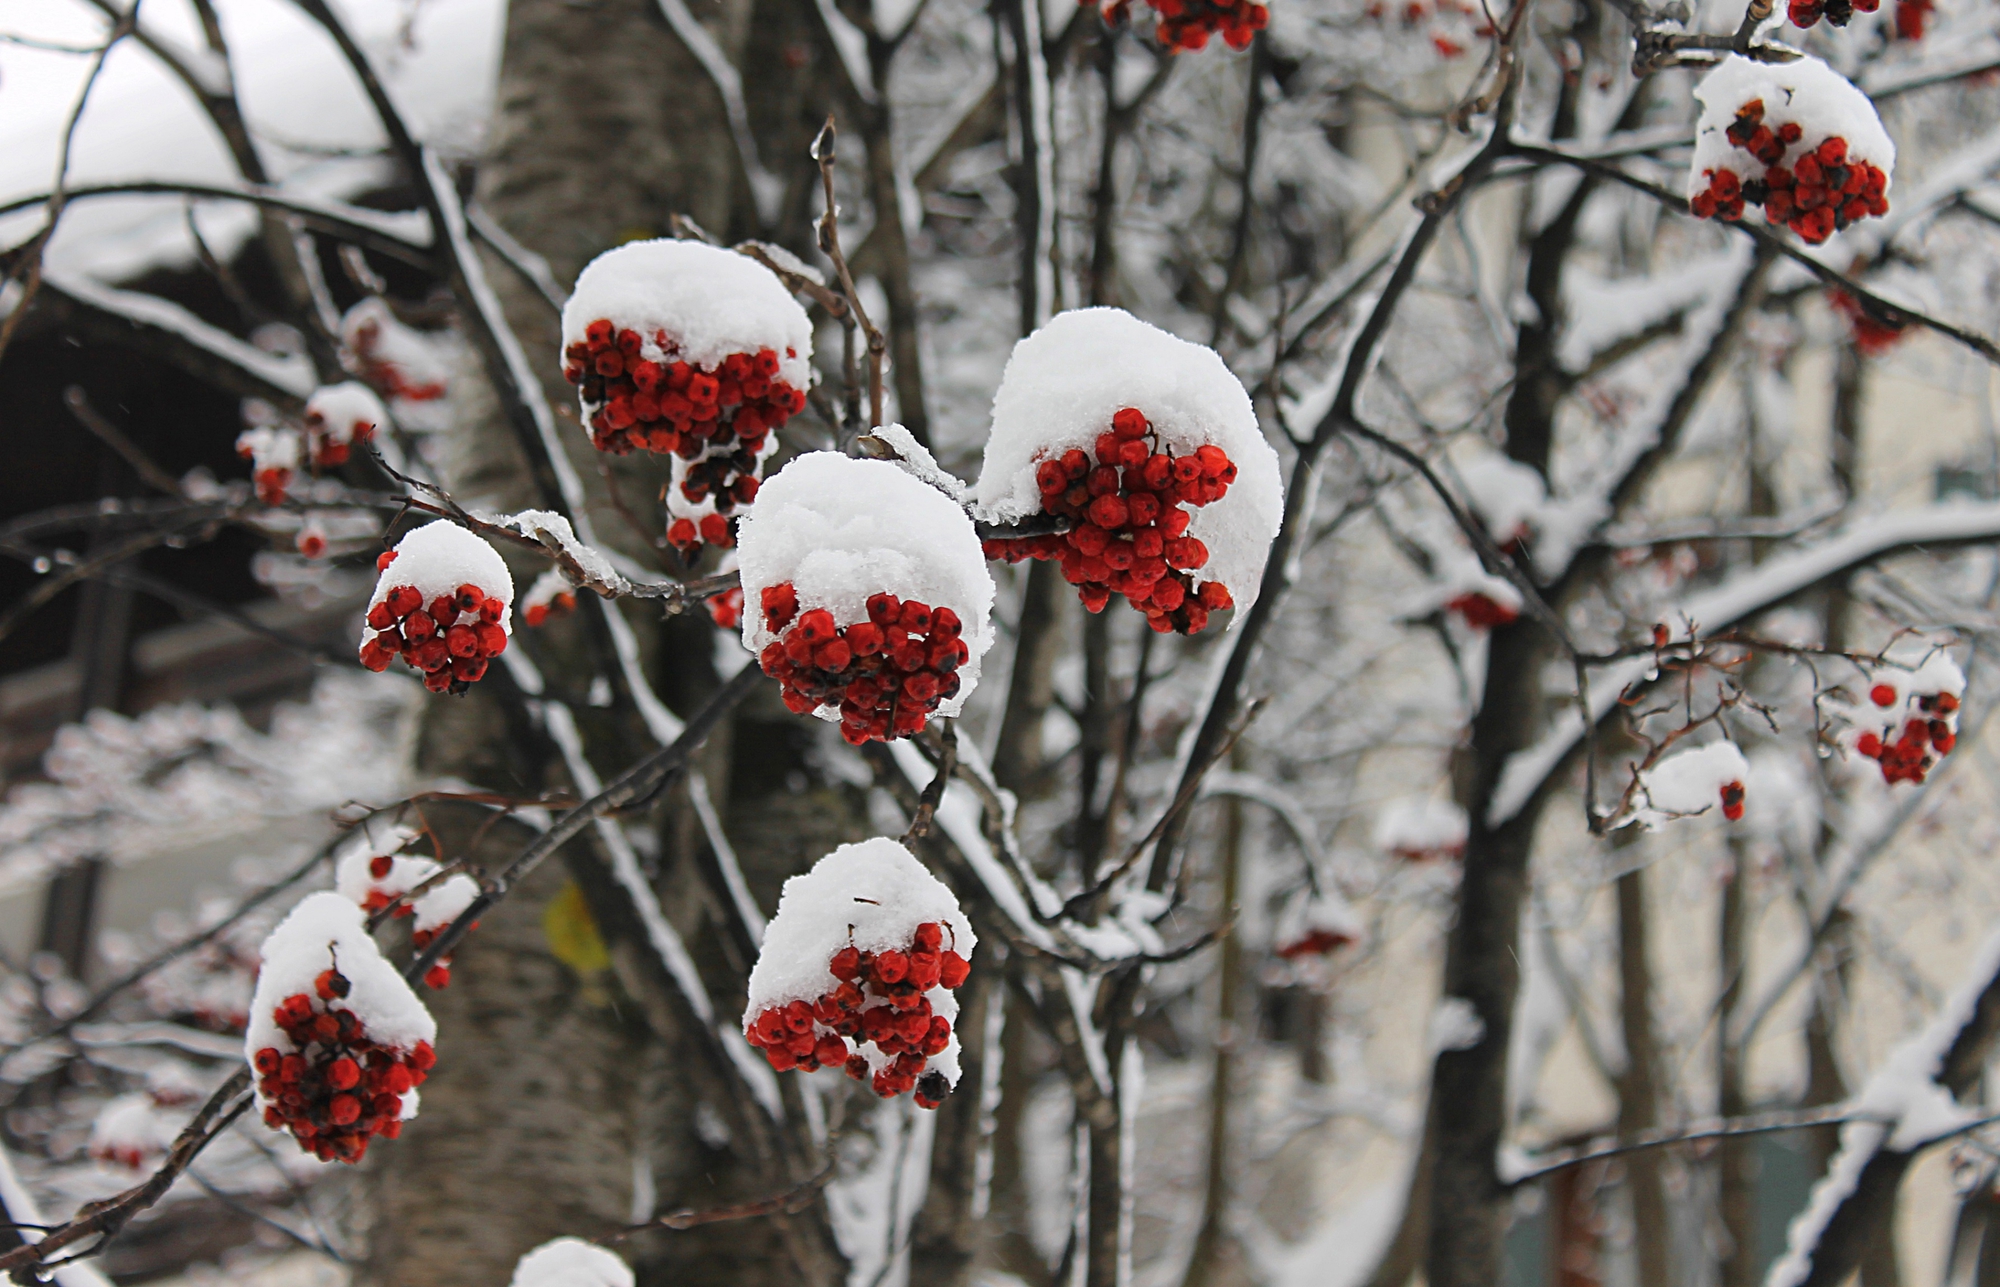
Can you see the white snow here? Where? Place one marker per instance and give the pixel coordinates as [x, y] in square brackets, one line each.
[1454, 1025]
[1421, 827]
[916, 460]
[131, 1129]
[438, 907]
[340, 412]
[270, 447]
[437, 558]
[841, 530]
[327, 931]
[571, 1262]
[1507, 495]
[1688, 782]
[551, 528]
[1807, 92]
[1065, 382]
[710, 302]
[872, 895]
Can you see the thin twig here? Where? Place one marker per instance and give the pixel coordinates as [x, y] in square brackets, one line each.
[829, 244]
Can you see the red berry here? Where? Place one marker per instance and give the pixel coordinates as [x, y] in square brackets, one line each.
[1882, 695]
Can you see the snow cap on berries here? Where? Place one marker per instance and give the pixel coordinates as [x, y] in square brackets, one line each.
[326, 931]
[1694, 781]
[437, 558]
[870, 896]
[1806, 93]
[1064, 384]
[338, 415]
[571, 1262]
[711, 302]
[840, 530]
[1421, 827]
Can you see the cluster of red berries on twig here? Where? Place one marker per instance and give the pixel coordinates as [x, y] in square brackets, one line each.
[273, 452]
[388, 354]
[1130, 528]
[887, 674]
[1925, 739]
[880, 1002]
[1807, 13]
[1823, 191]
[450, 640]
[1188, 24]
[378, 897]
[1482, 612]
[341, 1088]
[726, 609]
[1871, 336]
[715, 422]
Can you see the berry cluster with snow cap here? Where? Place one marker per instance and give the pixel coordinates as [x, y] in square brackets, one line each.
[1795, 138]
[337, 417]
[1694, 781]
[395, 359]
[873, 602]
[857, 971]
[550, 596]
[440, 603]
[1150, 448]
[1910, 721]
[337, 1040]
[274, 452]
[1315, 923]
[375, 880]
[1188, 24]
[693, 352]
[571, 1262]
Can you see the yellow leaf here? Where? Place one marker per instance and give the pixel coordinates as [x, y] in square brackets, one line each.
[572, 934]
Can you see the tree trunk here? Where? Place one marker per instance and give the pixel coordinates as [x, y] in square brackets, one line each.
[1736, 1180]
[1214, 1243]
[1638, 1088]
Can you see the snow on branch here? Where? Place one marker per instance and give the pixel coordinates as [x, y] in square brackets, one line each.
[1909, 1103]
[1735, 599]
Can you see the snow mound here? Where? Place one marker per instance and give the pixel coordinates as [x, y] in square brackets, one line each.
[1063, 385]
[1808, 93]
[710, 303]
[571, 1262]
[327, 931]
[437, 558]
[1421, 827]
[1690, 782]
[871, 896]
[1507, 495]
[840, 530]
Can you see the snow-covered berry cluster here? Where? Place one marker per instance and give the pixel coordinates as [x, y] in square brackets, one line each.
[1147, 446]
[337, 1040]
[440, 603]
[397, 360]
[1188, 24]
[551, 595]
[1910, 721]
[691, 352]
[1796, 139]
[376, 880]
[887, 674]
[1691, 782]
[338, 416]
[880, 1002]
[872, 598]
[131, 1130]
[1452, 25]
[1316, 923]
[274, 453]
[857, 972]
[571, 1262]
[1130, 513]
